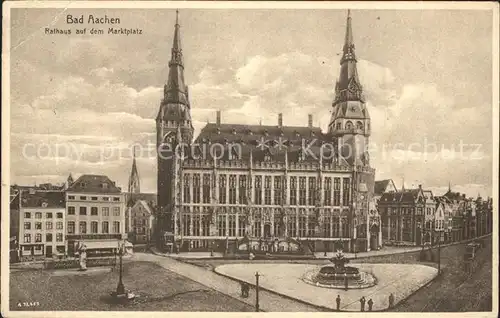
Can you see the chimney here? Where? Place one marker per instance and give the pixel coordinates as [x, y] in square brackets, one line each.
[310, 121]
[280, 120]
[218, 118]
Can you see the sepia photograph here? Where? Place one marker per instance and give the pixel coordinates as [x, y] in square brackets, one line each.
[296, 157]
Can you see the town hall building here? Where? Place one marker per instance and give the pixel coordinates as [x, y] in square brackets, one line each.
[260, 184]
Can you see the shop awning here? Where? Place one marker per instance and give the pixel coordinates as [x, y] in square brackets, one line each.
[108, 244]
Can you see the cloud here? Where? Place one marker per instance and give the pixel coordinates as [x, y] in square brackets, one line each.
[99, 114]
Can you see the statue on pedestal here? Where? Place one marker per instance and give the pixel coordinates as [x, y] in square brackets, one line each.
[82, 251]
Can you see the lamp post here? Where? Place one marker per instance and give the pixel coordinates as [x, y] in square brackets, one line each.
[438, 236]
[120, 289]
[257, 291]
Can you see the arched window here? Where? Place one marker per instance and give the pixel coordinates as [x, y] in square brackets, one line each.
[359, 125]
[348, 125]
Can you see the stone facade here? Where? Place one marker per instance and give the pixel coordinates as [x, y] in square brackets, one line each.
[266, 182]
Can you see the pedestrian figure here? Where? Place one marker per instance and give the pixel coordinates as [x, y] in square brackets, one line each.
[338, 302]
[370, 304]
[243, 290]
[362, 302]
[391, 300]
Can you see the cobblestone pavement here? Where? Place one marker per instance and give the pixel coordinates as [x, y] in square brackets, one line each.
[268, 301]
[156, 288]
[286, 279]
[455, 290]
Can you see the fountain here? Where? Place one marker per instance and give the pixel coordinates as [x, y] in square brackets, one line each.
[340, 276]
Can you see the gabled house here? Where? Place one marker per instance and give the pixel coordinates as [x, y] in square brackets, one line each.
[403, 214]
[143, 222]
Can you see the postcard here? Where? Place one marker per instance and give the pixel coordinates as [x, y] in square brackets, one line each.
[244, 157]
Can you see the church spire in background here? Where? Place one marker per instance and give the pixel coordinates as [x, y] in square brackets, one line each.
[133, 182]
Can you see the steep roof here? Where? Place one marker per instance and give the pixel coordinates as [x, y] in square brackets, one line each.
[455, 196]
[90, 183]
[381, 186]
[248, 133]
[262, 141]
[132, 198]
[406, 196]
[146, 205]
[52, 199]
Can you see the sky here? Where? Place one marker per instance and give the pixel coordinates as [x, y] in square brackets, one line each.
[80, 102]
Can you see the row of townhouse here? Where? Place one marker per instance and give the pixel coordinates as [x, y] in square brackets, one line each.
[50, 222]
[416, 216]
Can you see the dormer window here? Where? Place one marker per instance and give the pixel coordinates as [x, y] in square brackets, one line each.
[348, 125]
[359, 125]
[233, 131]
[83, 184]
[104, 185]
[44, 204]
[339, 126]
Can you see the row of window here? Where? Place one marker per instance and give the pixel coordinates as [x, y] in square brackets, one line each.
[48, 225]
[296, 227]
[94, 227]
[438, 225]
[38, 237]
[298, 194]
[257, 211]
[94, 211]
[404, 224]
[408, 211]
[39, 215]
[83, 198]
[140, 222]
[140, 230]
[350, 125]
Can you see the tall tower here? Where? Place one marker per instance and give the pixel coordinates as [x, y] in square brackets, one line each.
[173, 127]
[350, 121]
[134, 185]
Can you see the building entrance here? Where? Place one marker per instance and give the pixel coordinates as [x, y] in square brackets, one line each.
[374, 233]
[267, 230]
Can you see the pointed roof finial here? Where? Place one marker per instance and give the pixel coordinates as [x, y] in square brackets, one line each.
[449, 186]
[176, 89]
[348, 33]
[403, 184]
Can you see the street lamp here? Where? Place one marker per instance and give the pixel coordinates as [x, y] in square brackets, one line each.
[120, 289]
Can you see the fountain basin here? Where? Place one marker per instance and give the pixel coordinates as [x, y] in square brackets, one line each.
[330, 277]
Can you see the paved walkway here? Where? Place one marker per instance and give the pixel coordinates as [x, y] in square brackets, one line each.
[268, 301]
[384, 251]
[319, 255]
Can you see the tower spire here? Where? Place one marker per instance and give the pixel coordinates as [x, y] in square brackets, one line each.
[348, 42]
[175, 90]
[133, 182]
[348, 87]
